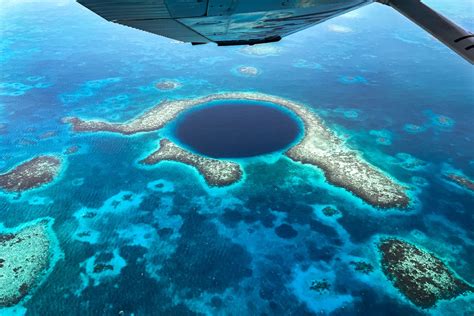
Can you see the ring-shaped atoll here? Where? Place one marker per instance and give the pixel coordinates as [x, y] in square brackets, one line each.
[319, 146]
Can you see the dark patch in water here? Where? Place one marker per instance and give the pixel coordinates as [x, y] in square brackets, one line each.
[285, 231]
[204, 260]
[216, 302]
[231, 218]
[237, 129]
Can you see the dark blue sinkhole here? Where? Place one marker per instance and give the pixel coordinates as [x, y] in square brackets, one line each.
[237, 129]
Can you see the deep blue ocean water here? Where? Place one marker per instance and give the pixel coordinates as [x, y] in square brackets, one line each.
[237, 129]
[179, 247]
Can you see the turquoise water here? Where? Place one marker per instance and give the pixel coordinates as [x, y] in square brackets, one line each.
[177, 246]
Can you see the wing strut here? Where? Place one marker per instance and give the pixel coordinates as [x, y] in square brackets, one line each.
[452, 35]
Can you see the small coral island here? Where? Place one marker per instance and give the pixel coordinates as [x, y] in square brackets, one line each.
[330, 211]
[461, 180]
[422, 277]
[362, 267]
[320, 147]
[26, 255]
[248, 71]
[216, 172]
[320, 286]
[31, 174]
[168, 85]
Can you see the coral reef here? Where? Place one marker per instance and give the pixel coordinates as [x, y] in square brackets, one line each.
[421, 276]
[26, 255]
[31, 174]
[319, 146]
[215, 172]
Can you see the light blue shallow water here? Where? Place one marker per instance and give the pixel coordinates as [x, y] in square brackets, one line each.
[179, 247]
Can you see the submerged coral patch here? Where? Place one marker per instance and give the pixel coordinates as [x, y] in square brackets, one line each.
[330, 211]
[382, 137]
[15, 89]
[162, 186]
[442, 121]
[419, 181]
[166, 85]
[98, 270]
[305, 64]
[413, 128]
[410, 162]
[286, 231]
[247, 71]
[72, 149]
[320, 286]
[314, 286]
[91, 221]
[224, 265]
[88, 89]
[353, 80]
[210, 61]
[350, 114]
[362, 266]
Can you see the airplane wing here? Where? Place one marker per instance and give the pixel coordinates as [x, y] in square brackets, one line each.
[248, 22]
[452, 35]
[225, 22]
